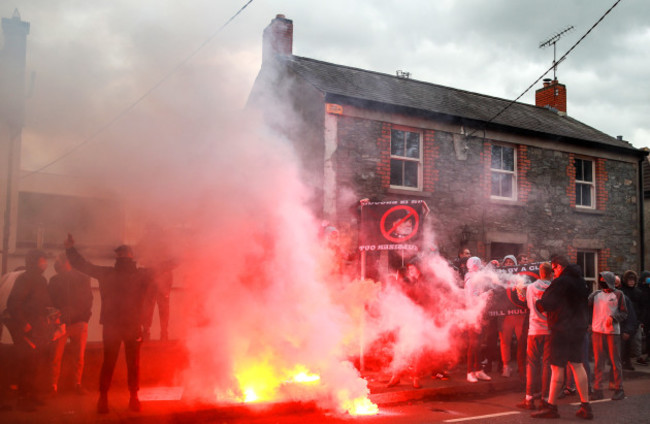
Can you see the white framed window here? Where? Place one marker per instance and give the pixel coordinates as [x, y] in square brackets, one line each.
[585, 185]
[588, 262]
[503, 172]
[406, 159]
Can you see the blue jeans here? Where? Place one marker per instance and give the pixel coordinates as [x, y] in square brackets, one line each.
[538, 365]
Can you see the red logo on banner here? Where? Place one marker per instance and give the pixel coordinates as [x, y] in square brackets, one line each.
[401, 228]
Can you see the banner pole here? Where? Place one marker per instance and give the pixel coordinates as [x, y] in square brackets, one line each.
[362, 361]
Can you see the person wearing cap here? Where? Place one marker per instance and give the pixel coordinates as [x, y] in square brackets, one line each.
[609, 310]
[122, 290]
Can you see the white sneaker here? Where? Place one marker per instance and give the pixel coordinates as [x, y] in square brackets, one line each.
[471, 377]
[506, 371]
[481, 375]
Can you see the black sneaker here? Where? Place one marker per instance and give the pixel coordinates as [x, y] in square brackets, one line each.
[585, 412]
[550, 412]
[641, 361]
[527, 404]
[628, 366]
[618, 395]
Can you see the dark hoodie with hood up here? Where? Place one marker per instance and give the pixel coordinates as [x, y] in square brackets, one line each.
[565, 302]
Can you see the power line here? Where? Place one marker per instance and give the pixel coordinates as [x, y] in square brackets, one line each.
[141, 98]
[549, 69]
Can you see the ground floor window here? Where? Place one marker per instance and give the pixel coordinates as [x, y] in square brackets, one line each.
[588, 262]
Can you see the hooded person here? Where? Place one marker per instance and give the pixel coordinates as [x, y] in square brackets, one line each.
[608, 311]
[475, 286]
[29, 306]
[509, 260]
[122, 290]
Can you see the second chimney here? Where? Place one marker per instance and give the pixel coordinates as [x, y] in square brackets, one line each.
[278, 38]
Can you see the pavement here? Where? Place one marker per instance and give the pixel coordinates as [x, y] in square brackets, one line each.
[162, 400]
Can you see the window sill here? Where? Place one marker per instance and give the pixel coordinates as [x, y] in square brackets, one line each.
[416, 193]
[589, 211]
[506, 202]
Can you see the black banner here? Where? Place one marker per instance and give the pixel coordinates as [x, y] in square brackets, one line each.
[392, 225]
[500, 305]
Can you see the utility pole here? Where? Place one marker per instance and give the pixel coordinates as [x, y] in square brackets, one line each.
[12, 118]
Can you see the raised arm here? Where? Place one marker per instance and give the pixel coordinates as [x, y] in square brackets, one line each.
[78, 262]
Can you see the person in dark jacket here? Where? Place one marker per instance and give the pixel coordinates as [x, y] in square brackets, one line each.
[27, 306]
[644, 317]
[565, 302]
[633, 293]
[71, 294]
[122, 289]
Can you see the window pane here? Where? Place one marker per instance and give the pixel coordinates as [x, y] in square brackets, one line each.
[506, 185]
[579, 172]
[496, 184]
[496, 157]
[411, 174]
[397, 143]
[586, 195]
[583, 195]
[396, 172]
[588, 264]
[413, 145]
[579, 194]
[508, 159]
[581, 262]
[588, 171]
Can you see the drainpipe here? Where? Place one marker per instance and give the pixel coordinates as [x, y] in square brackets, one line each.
[641, 217]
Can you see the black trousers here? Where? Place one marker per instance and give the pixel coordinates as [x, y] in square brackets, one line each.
[30, 358]
[113, 337]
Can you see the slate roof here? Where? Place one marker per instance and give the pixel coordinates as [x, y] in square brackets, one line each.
[345, 81]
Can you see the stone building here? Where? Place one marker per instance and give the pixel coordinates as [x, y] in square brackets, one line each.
[500, 177]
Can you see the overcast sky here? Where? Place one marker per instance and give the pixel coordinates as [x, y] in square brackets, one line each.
[97, 63]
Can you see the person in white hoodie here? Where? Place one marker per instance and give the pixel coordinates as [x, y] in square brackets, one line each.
[538, 354]
[609, 309]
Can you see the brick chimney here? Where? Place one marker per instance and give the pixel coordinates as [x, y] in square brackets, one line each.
[278, 38]
[552, 95]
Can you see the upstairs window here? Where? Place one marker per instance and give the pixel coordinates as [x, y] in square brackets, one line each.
[503, 172]
[405, 159]
[585, 187]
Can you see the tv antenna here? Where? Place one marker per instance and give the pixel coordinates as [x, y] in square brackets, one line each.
[553, 40]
